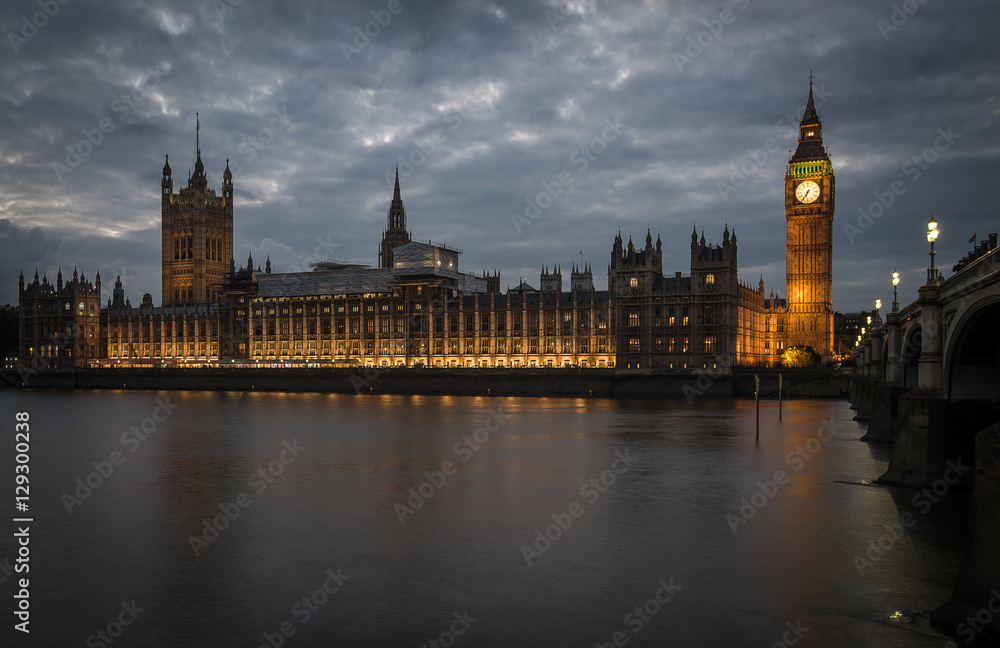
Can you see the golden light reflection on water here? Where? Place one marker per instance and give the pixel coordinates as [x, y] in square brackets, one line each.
[335, 505]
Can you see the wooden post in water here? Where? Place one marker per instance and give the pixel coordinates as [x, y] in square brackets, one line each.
[756, 397]
[779, 396]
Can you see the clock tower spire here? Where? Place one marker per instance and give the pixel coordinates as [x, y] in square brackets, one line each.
[809, 207]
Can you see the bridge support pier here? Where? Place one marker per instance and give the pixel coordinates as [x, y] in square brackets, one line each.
[973, 613]
[883, 421]
[932, 431]
[922, 446]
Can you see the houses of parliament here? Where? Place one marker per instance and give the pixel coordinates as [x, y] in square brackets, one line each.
[417, 308]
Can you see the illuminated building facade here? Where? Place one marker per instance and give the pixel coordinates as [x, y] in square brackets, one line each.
[197, 234]
[809, 206]
[417, 308]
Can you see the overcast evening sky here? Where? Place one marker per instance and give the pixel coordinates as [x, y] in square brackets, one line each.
[657, 114]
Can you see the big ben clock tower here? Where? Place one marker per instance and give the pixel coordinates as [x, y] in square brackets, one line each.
[809, 204]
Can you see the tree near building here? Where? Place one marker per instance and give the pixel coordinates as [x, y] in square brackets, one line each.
[800, 356]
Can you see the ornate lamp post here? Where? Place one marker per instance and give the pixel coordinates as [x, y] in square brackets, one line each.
[895, 294]
[932, 234]
[878, 306]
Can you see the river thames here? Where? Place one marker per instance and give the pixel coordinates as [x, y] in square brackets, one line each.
[292, 519]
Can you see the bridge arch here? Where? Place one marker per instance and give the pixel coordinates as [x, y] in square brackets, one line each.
[972, 358]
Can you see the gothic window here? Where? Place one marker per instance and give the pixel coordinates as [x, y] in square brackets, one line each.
[633, 345]
[710, 280]
[710, 343]
[633, 317]
[633, 282]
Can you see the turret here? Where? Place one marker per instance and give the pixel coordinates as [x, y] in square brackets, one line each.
[227, 186]
[166, 182]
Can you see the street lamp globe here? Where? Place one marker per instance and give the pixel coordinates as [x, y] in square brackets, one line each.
[895, 289]
[932, 234]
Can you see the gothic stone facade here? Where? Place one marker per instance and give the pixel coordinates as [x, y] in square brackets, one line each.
[59, 324]
[418, 308]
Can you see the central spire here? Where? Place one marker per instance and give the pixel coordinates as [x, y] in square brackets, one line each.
[198, 179]
[395, 233]
[397, 214]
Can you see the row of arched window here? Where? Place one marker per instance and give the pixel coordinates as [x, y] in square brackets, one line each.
[184, 247]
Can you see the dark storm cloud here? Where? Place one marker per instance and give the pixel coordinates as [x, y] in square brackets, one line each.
[484, 105]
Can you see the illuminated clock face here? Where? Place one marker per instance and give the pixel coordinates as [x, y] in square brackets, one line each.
[807, 191]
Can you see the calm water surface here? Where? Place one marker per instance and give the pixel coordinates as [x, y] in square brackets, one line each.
[336, 503]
